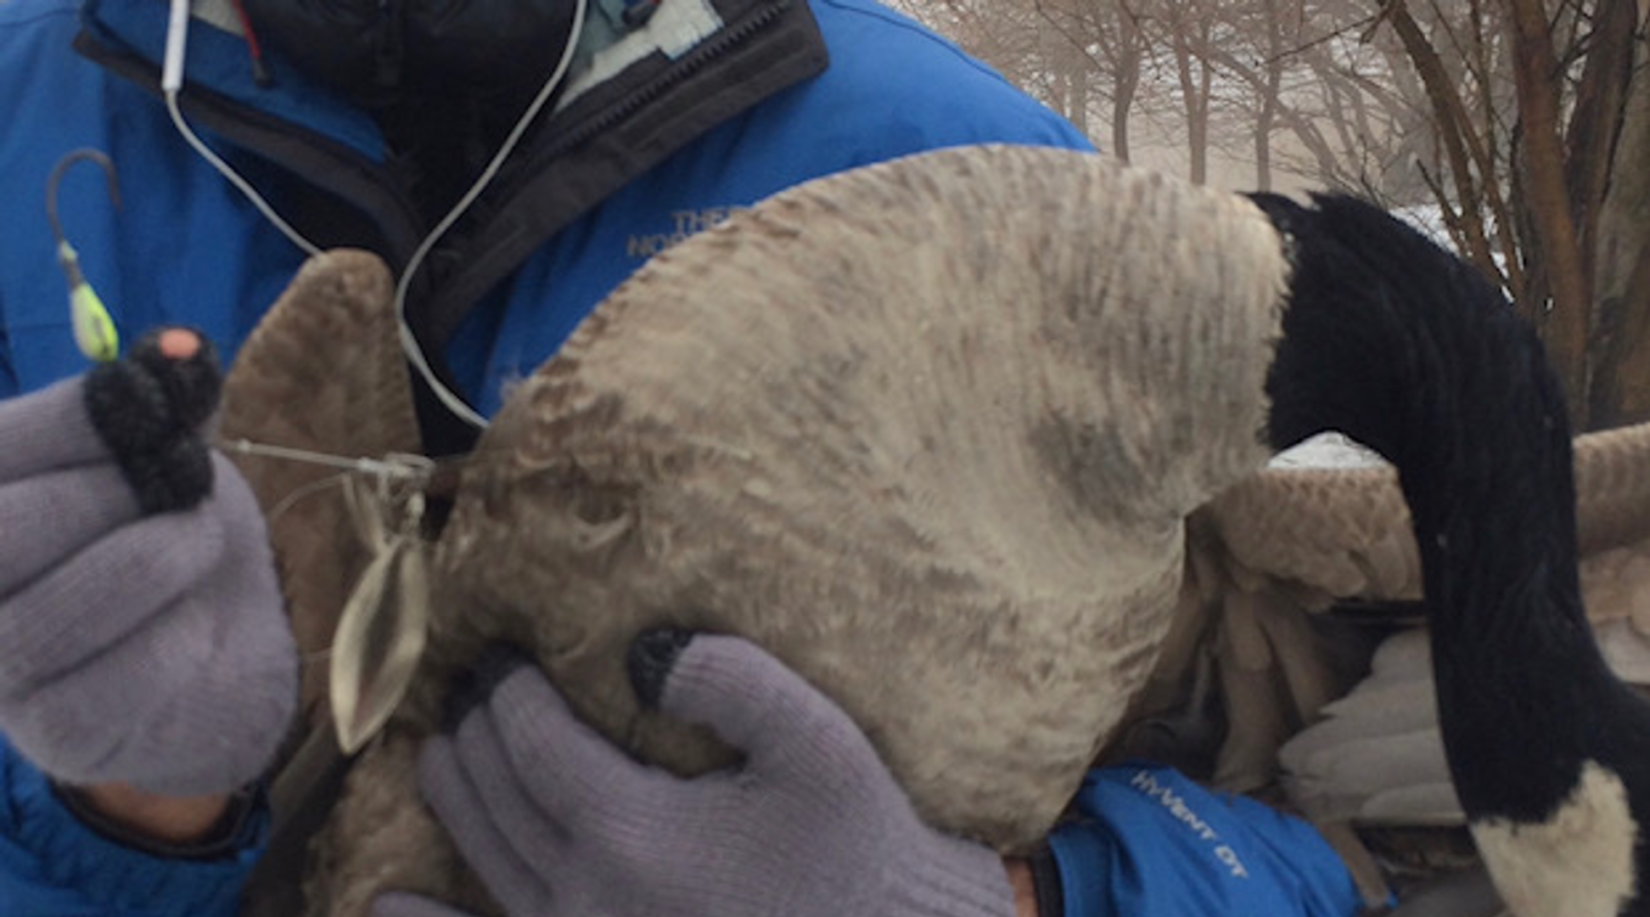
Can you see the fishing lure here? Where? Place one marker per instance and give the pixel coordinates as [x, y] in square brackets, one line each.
[94, 330]
[382, 630]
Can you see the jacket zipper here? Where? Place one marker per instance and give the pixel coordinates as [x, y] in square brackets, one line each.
[705, 53]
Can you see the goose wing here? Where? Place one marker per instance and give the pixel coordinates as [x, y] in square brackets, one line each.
[1320, 533]
[1326, 534]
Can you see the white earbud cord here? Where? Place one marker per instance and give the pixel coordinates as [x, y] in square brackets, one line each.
[172, 85]
[409, 343]
[241, 184]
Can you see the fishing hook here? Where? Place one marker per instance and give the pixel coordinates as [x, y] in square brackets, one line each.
[94, 330]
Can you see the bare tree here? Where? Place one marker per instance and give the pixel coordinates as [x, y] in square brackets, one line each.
[1106, 46]
[1523, 124]
[1619, 243]
[1190, 32]
[1529, 186]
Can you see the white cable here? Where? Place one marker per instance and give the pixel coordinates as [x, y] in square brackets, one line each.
[172, 84]
[242, 185]
[409, 342]
[177, 38]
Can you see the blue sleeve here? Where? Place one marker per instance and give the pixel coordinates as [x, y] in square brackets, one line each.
[8, 373]
[1147, 840]
[52, 865]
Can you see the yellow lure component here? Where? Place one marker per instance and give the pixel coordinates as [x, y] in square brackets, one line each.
[94, 329]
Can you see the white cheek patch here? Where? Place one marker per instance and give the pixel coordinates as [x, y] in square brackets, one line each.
[1578, 863]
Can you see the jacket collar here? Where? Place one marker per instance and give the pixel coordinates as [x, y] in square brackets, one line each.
[639, 97]
[219, 59]
[130, 37]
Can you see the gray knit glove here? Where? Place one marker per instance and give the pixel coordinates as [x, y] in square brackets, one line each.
[558, 821]
[142, 634]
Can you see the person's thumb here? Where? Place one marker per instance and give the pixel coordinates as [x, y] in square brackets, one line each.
[752, 700]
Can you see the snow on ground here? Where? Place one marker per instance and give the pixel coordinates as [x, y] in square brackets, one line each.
[1327, 450]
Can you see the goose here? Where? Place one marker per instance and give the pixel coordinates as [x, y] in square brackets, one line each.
[930, 430]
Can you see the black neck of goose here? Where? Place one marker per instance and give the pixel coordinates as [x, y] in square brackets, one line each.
[1408, 350]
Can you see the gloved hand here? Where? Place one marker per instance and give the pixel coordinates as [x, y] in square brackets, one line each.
[1148, 840]
[142, 634]
[558, 821]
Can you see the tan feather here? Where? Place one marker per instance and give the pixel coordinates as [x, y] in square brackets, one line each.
[1338, 533]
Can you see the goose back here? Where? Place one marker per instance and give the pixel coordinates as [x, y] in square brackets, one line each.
[908, 431]
[927, 430]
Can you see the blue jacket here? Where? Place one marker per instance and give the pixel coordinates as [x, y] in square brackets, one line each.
[1145, 840]
[540, 248]
[53, 864]
[764, 95]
